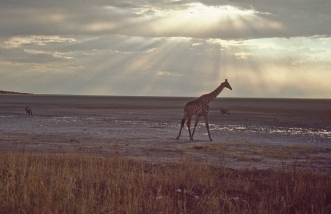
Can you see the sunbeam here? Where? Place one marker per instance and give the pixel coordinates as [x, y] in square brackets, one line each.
[199, 20]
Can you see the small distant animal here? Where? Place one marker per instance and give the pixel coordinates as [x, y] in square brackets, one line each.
[28, 110]
[225, 111]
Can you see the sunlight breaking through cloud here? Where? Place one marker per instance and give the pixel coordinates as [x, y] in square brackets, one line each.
[198, 19]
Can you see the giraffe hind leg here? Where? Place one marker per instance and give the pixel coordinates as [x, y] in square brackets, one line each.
[195, 125]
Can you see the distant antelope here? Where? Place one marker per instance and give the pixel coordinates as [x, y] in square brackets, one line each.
[28, 110]
[225, 111]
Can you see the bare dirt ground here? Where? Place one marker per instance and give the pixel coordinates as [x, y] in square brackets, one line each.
[254, 135]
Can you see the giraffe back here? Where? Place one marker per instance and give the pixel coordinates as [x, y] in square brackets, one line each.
[196, 108]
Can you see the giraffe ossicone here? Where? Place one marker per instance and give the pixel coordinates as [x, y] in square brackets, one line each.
[200, 107]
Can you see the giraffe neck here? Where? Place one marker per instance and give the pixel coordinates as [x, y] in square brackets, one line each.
[211, 96]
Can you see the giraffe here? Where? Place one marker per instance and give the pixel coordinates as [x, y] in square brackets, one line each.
[199, 107]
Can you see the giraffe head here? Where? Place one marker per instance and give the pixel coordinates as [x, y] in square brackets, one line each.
[227, 84]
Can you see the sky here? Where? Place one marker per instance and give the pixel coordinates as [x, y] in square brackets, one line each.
[265, 48]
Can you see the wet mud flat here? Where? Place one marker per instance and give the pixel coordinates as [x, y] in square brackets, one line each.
[258, 133]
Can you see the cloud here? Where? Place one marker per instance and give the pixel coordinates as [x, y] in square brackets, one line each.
[167, 47]
[208, 19]
[16, 42]
[242, 55]
[166, 73]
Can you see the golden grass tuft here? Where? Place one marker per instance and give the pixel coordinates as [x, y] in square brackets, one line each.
[81, 183]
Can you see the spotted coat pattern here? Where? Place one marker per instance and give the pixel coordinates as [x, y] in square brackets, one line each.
[200, 107]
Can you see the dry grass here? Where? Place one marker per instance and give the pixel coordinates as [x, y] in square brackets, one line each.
[78, 183]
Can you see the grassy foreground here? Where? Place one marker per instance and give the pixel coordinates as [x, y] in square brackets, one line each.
[81, 183]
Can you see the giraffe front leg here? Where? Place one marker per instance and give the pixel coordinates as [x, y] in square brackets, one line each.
[181, 126]
[189, 128]
[207, 126]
